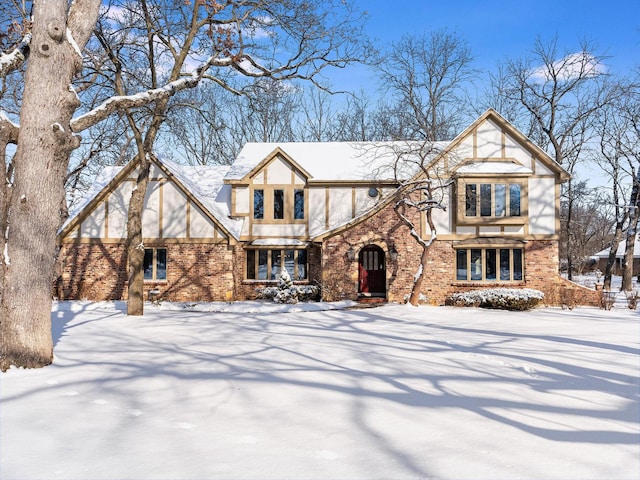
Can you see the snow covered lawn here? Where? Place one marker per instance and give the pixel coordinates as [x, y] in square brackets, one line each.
[393, 392]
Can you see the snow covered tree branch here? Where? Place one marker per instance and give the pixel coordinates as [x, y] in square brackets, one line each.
[15, 59]
[123, 102]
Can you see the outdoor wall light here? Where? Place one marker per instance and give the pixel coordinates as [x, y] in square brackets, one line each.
[351, 254]
[393, 253]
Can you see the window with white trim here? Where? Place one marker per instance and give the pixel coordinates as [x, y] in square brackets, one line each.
[489, 264]
[266, 264]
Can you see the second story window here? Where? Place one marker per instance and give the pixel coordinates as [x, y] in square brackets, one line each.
[492, 200]
[278, 204]
[258, 204]
[298, 204]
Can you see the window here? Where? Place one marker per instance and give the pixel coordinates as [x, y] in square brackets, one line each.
[287, 204]
[278, 204]
[489, 264]
[155, 264]
[258, 204]
[298, 204]
[267, 264]
[495, 200]
[471, 200]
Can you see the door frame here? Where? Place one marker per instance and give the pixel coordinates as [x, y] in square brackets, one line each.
[372, 278]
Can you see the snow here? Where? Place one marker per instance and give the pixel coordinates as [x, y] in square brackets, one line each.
[73, 43]
[336, 161]
[271, 391]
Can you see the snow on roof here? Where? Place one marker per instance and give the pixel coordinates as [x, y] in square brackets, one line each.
[101, 181]
[493, 168]
[621, 249]
[279, 241]
[337, 161]
[206, 184]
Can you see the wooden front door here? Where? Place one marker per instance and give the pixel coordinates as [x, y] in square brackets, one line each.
[372, 278]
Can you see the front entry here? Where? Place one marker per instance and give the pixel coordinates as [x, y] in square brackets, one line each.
[372, 277]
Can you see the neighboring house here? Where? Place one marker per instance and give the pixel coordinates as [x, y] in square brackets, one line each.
[324, 211]
[602, 257]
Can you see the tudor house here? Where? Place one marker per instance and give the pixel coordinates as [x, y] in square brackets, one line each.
[324, 212]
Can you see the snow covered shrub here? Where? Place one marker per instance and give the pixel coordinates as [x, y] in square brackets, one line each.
[503, 298]
[287, 292]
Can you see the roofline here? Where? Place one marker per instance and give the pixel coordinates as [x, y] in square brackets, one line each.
[118, 178]
[276, 151]
[491, 114]
[88, 208]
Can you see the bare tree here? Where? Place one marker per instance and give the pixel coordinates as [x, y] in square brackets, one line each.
[427, 190]
[426, 75]
[32, 198]
[247, 37]
[33, 192]
[613, 130]
[561, 93]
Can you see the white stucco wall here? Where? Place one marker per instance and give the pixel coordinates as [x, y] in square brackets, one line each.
[151, 211]
[489, 140]
[514, 150]
[94, 225]
[279, 231]
[118, 207]
[542, 216]
[174, 212]
[279, 172]
[242, 200]
[340, 206]
[200, 226]
[317, 210]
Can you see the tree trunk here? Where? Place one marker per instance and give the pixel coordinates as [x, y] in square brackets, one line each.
[414, 297]
[615, 243]
[569, 251]
[45, 142]
[627, 263]
[135, 245]
[634, 198]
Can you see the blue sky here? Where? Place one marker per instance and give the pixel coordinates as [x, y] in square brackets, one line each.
[496, 29]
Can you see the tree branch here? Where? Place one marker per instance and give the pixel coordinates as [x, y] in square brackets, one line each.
[140, 99]
[12, 61]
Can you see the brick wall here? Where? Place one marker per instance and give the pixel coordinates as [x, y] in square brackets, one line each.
[385, 229]
[195, 272]
[207, 272]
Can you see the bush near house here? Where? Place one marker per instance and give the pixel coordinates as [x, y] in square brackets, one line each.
[502, 298]
[287, 292]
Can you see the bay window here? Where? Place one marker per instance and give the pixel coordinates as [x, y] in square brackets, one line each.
[266, 264]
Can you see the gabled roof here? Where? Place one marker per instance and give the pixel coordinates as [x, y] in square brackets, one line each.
[202, 184]
[517, 135]
[330, 161]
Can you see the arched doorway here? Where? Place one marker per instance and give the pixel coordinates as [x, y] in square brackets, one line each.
[372, 277]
